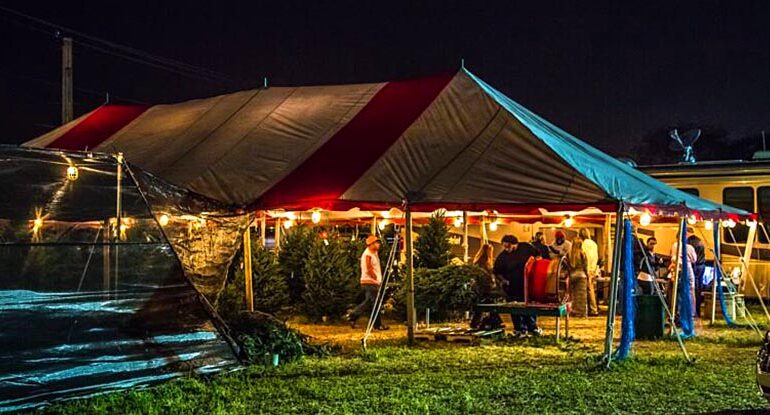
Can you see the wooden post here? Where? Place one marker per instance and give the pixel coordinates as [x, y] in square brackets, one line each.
[263, 229]
[67, 113]
[106, 257]
[118, 216]
[278, 225]
[484, 234]
[374, 225]
[465, 237]
[614, 280]
[247, 268]
[411, 315]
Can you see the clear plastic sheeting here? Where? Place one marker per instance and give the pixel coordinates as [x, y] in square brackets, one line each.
[205, 234]
[92, 295]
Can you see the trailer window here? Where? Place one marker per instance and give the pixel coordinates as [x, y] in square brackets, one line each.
[691, 190]
[763, 208]
[741, 198]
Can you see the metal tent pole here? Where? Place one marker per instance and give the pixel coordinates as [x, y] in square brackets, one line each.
[717, 266]
[118, 216]
[614, 278]
[411, 316]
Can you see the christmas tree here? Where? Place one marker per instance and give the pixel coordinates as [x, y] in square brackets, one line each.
[294, 253]
[432, 247]
[331, 280]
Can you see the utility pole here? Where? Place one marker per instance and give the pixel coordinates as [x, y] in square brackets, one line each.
[66, 80]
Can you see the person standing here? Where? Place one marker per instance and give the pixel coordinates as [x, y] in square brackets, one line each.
[591, 251]
[510, 266]
[538, 242]
[371, 278]
[487, 288]
[561, 247]
[646, 280]
[698, 267]
[578, 277]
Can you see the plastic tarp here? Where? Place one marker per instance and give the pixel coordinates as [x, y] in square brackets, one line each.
[87, 305]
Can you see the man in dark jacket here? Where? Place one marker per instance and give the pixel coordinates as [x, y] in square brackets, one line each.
[509, 266]
[538, 242]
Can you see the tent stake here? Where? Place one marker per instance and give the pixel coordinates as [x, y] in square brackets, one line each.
[410, 311]
[612, 301]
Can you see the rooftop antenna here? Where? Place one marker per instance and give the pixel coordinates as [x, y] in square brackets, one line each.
[264, 84]
[106, 98]
[685, 142]
[462, 63]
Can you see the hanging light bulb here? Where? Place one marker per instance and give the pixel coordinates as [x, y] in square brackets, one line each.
[751, 223]
[729, 223]
[709, 225]
[288, 223]
[316, 216]
[692, 220]
[72, 173]
[458, 222]
[163, 220]
[568, 221]
[382, 224]
[493, 226]
[645, 219]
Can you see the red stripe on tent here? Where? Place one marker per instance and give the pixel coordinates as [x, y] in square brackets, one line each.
[346, 156]
[98, 127]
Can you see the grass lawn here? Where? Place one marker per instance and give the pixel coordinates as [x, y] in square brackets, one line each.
[521, 376]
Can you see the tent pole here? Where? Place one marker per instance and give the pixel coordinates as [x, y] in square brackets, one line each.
[118, 215]
[465, 236]
[278, 234]
[263, 229]
[411, 316]
[614, 278]
[373, 230]
[247, 268]
[678, 267]
[106, 237]
[747, 253]
[717, 264]
[484, 235]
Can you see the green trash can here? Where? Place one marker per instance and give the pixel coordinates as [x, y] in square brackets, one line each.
[650, 317]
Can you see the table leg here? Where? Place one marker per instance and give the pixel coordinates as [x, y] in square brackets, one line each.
[566, 326]
[558, 326]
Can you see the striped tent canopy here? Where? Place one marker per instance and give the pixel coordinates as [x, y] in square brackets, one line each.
[447, 141]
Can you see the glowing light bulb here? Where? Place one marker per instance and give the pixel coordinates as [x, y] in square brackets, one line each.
[729, 223]
[645, 219]
[72, 173]
[709, 225]
[458, 222]
[288, 223]
[751, 223]
[383, 223]
[163, 220]
[568, 222]
[493, 226]
[315, 216]
[692, 220]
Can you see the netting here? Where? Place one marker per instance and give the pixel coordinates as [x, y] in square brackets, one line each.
[92, 296]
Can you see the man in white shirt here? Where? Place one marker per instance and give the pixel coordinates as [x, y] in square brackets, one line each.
[591, 251]
[371, 278]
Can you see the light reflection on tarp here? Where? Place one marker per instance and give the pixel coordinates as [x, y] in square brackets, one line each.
[83, 311]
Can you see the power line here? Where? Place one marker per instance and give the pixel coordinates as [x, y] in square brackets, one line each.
[122, 51]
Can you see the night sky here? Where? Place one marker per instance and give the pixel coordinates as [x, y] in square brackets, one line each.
[608, 72]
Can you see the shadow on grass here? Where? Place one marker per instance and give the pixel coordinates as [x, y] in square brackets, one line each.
[738, 412]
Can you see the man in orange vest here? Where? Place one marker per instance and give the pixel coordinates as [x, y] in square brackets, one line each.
[371, 278]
